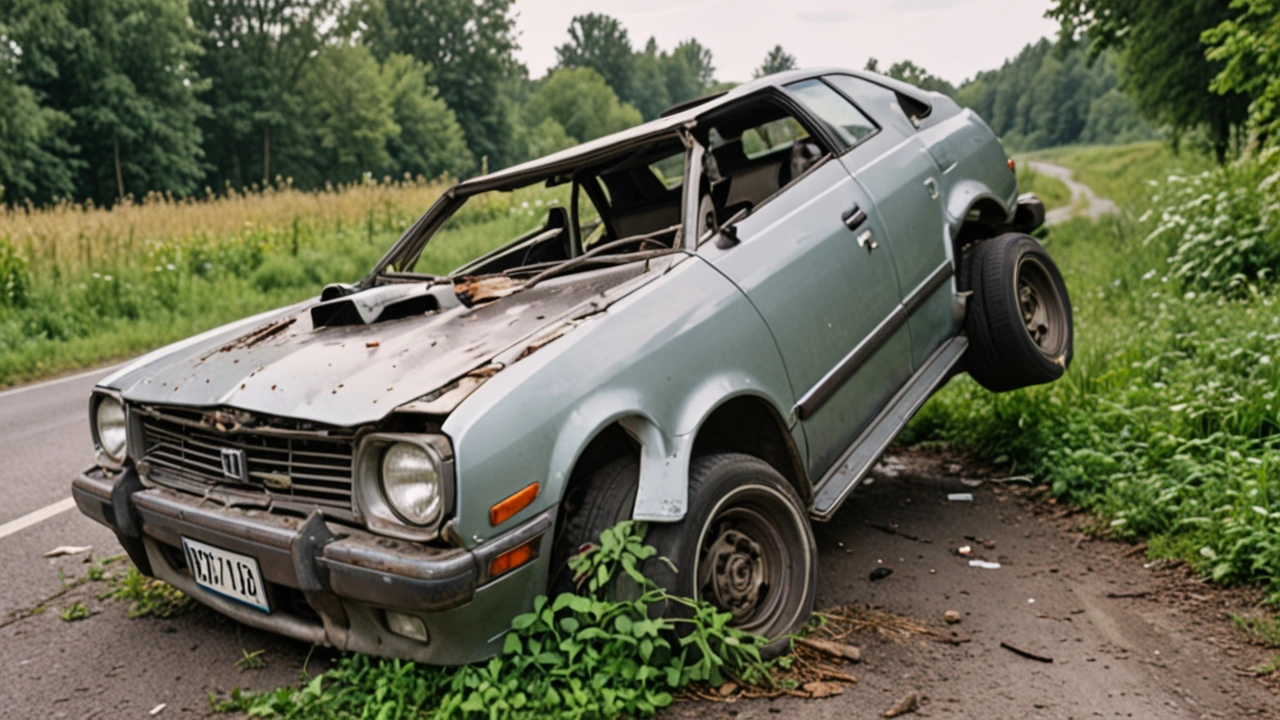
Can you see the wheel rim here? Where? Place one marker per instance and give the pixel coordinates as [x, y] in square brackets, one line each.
[753, 561]
[1040, 306]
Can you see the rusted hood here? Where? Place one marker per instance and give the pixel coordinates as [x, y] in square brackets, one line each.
[348, 375]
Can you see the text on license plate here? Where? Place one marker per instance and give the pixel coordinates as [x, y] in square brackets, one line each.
[230, 574]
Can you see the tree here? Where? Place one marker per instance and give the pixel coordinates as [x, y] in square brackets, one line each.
[1248, 47]
[350, 101]
[688, 70]
[909, 72]
[649, 80]
[121, 70]
[470, 47]
[1163, 64]
[581, 102]
[36, 163]
[600, 42]
[430, 141]
[778, 60]
[256, 53]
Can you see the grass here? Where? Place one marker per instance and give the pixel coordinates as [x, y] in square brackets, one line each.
[80, 286]
[1051, 190]
[1168, 421]
[148, 597]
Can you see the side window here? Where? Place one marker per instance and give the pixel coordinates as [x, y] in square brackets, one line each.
[846, 121]
[878, 98]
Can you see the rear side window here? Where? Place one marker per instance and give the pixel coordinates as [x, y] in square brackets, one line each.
[846, 121]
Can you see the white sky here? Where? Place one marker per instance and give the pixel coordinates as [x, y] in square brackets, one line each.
[953, 39]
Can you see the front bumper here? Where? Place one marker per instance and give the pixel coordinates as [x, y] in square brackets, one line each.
[329, 584]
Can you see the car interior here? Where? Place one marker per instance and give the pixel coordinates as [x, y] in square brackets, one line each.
[632, 203]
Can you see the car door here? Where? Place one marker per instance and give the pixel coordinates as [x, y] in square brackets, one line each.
[826, 298]
[902, 178]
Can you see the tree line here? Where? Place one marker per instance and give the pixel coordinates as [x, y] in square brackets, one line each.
[103, 100]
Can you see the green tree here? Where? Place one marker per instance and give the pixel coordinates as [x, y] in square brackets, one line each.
[36, 163]
[909, 72]
[600, 42]
[470, 47]
[650, 95]
[778, 60]
[256, 53]
[430, 141]
[582, 103]
[689, 71]
[353, 117]
[1248, 47]
[122, 71]
[1163, 64]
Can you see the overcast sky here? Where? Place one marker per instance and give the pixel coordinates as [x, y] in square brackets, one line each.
[950, 38]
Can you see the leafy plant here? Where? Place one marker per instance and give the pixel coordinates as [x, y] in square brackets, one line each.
[75, 611]
[251, 660]
[590, 655]
[148, 597]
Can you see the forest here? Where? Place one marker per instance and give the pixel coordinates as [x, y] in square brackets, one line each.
[110, 100]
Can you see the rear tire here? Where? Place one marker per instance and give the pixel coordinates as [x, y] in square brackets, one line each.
[1019, 318]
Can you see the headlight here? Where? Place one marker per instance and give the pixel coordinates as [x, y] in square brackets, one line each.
[411, 483]
[110, 429]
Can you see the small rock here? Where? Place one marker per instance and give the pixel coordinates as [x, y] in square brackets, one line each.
[819, 689]
[880, 573]
[728, 689]
[952, 617]
[909, 703]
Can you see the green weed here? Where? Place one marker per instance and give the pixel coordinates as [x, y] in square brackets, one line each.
[574, 656]
[251, 660]
[1262, 629]
[148, 597]
[75, 611]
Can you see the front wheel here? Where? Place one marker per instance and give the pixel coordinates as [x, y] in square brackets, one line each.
[745, 546]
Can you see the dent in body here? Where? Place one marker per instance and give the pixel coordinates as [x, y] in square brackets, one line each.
[660, 360]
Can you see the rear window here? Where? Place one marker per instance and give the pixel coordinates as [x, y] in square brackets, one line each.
[850, 125]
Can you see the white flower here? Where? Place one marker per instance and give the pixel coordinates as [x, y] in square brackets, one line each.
[1264, 360]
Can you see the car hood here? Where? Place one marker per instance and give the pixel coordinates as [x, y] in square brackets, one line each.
[291, 364]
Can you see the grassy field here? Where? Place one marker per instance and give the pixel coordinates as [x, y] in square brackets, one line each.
[80, 286]
[1167, 424]
[1052, 191]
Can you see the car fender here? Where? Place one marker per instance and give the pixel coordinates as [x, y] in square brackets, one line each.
[658, 361]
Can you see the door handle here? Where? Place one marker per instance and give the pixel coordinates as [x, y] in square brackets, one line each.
[867, 239]
[855, 217]
[931, 186]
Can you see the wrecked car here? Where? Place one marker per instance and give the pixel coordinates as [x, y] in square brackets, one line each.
[715, 322]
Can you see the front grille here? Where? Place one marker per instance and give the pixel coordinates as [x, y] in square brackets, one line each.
[298, 470]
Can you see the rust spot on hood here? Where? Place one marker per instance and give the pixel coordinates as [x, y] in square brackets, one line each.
[256, 336]
[475, 290]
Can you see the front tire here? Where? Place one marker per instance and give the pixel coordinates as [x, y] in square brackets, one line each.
[745, 545]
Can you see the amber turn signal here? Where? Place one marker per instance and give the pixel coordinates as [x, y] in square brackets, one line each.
[1012, 165]
[511, 559]
[504, 510]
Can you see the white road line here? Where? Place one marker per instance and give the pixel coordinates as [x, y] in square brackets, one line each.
[32, 518]
[100, 371]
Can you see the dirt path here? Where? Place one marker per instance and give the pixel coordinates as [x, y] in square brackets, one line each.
[1084, 202]
[1127, 638]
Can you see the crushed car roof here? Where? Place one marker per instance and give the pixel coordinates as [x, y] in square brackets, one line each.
[576, 156]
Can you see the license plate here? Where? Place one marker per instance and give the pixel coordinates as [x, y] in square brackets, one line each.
[226, 573]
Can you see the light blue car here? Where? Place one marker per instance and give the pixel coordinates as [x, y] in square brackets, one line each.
[717, 325]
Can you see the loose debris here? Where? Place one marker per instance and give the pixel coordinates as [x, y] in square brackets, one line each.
[158, 709]
[67, 550]
[960, 497]
[952, 617]
[984, 564]
[908, 704]
[1026, 653]
[852, 653]
[881, 573]
[820, 689]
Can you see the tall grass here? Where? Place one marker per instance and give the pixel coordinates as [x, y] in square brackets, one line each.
[81, 285]
[1168, 421]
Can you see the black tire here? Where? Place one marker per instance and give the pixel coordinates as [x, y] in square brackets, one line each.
[746, 520]
[603, 499]
[1018, 318]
